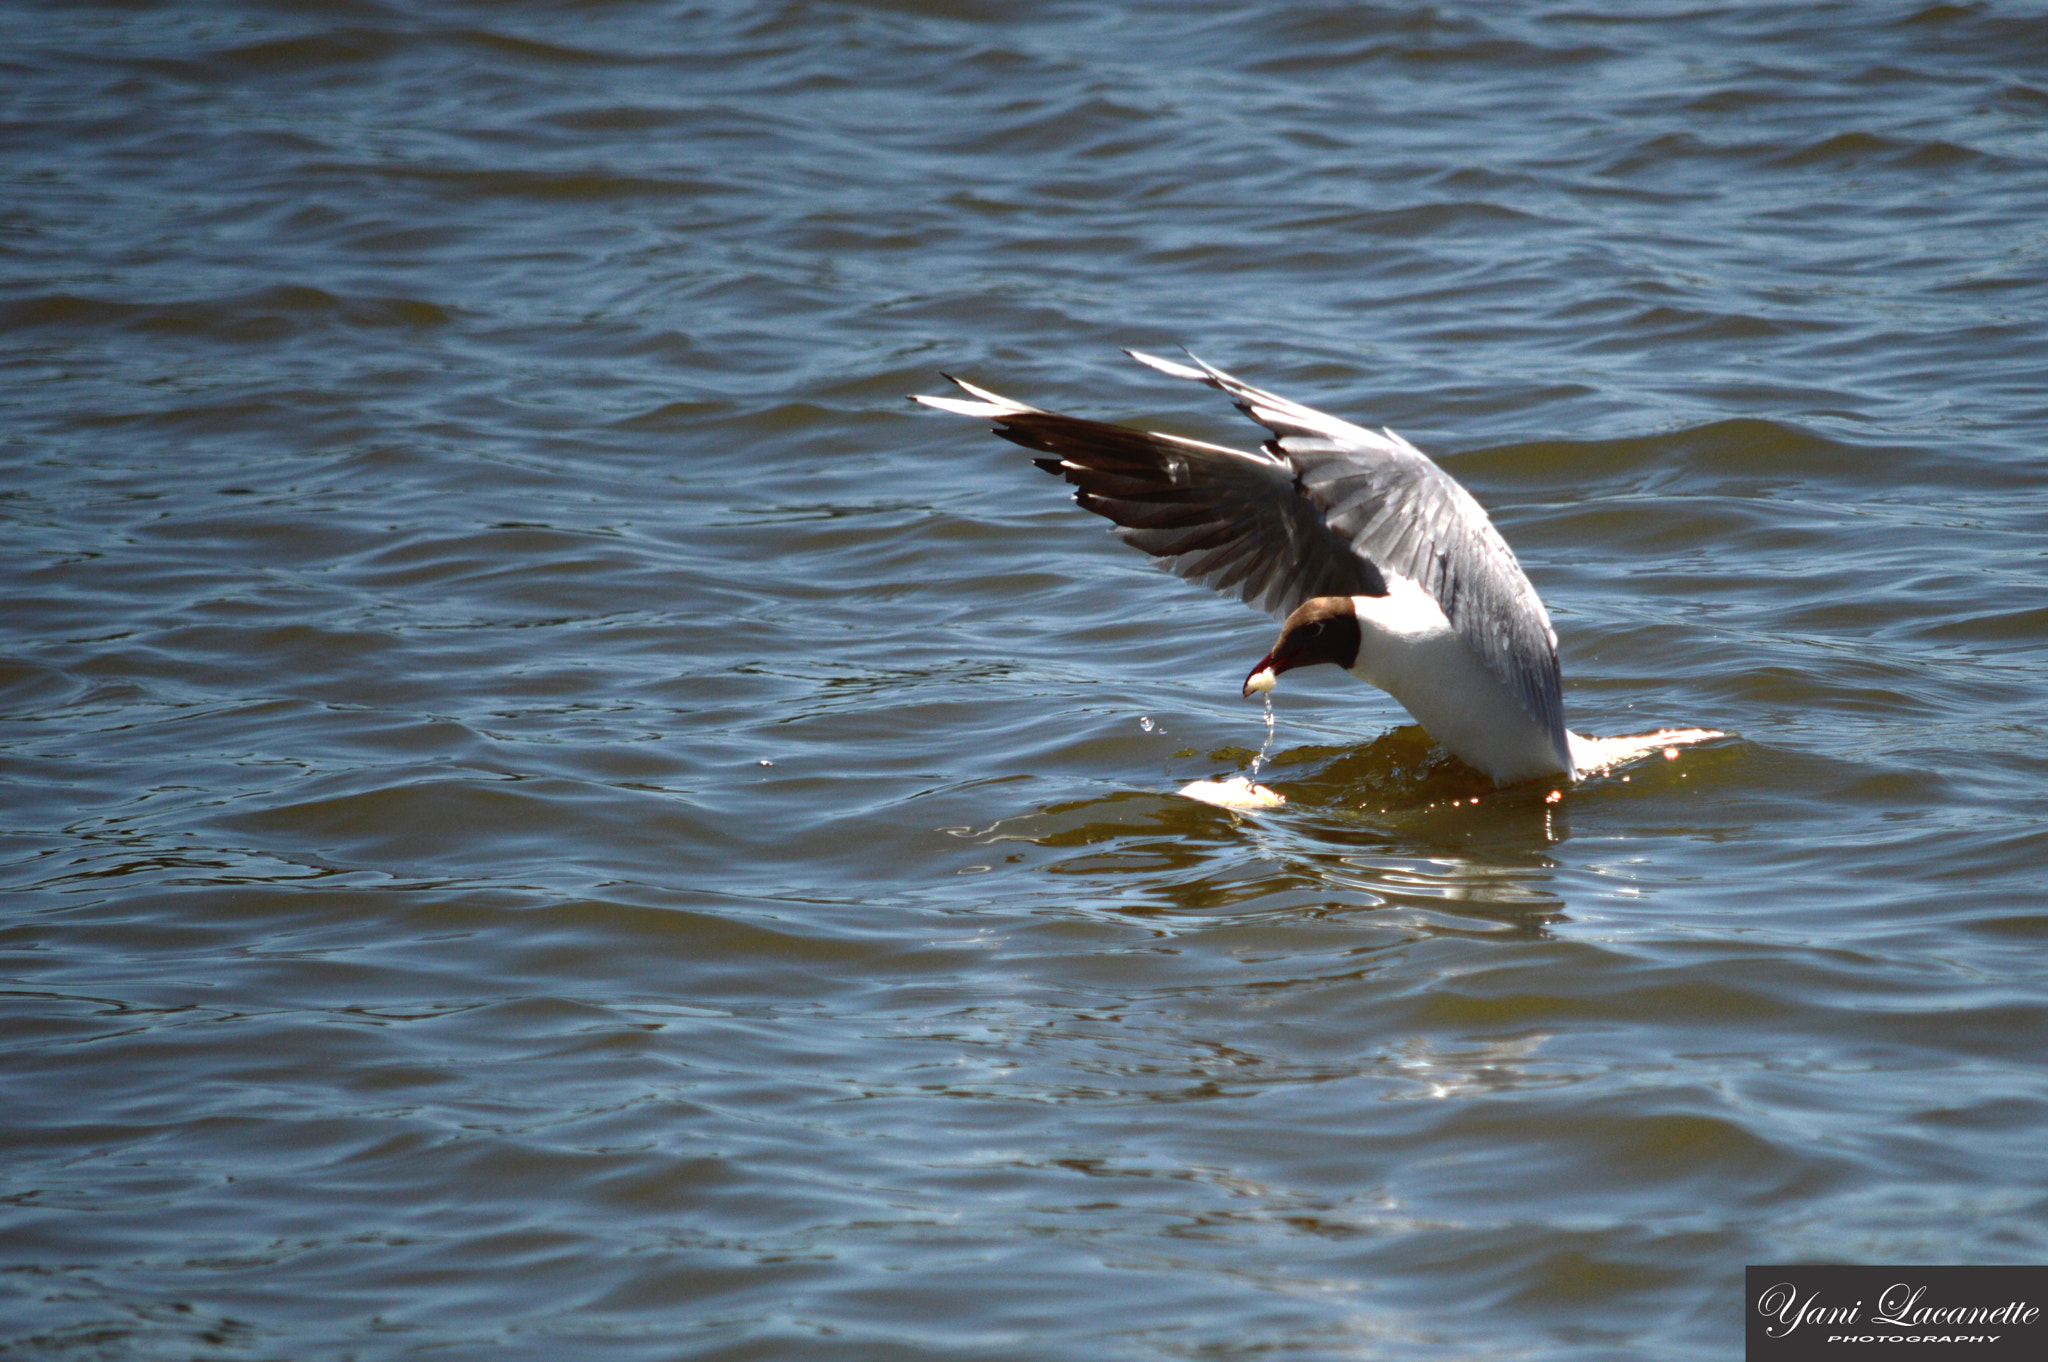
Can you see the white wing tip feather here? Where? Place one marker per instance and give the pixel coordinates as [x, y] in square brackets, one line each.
[1171, 368]
[985, 403]
[962, 407]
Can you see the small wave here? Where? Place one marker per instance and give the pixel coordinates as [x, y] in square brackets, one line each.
[1850, 149]
[256, 315]
[337, 47]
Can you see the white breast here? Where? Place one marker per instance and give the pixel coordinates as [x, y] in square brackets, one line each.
[1408, 649]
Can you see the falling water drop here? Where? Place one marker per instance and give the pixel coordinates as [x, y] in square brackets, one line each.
[1267, 746]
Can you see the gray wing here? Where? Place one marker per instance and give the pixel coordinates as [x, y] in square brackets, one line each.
[1231, 520]
[1325, 508]
[1398, 510]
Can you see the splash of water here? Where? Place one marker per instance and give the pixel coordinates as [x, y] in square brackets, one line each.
[1241, 792]
[1267, 746]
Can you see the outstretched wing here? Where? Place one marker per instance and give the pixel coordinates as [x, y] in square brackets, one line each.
[1225, 518]
[1394, 507]
[1324, 508]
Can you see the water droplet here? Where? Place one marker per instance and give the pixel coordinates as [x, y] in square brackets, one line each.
[1260, 760]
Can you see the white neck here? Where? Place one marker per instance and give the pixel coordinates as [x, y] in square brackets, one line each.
[1408, 649]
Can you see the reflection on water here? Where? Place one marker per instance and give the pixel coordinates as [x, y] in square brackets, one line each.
[1432, 839]
[1473, 1069]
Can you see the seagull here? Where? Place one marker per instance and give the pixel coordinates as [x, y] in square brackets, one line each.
[1374, 559]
